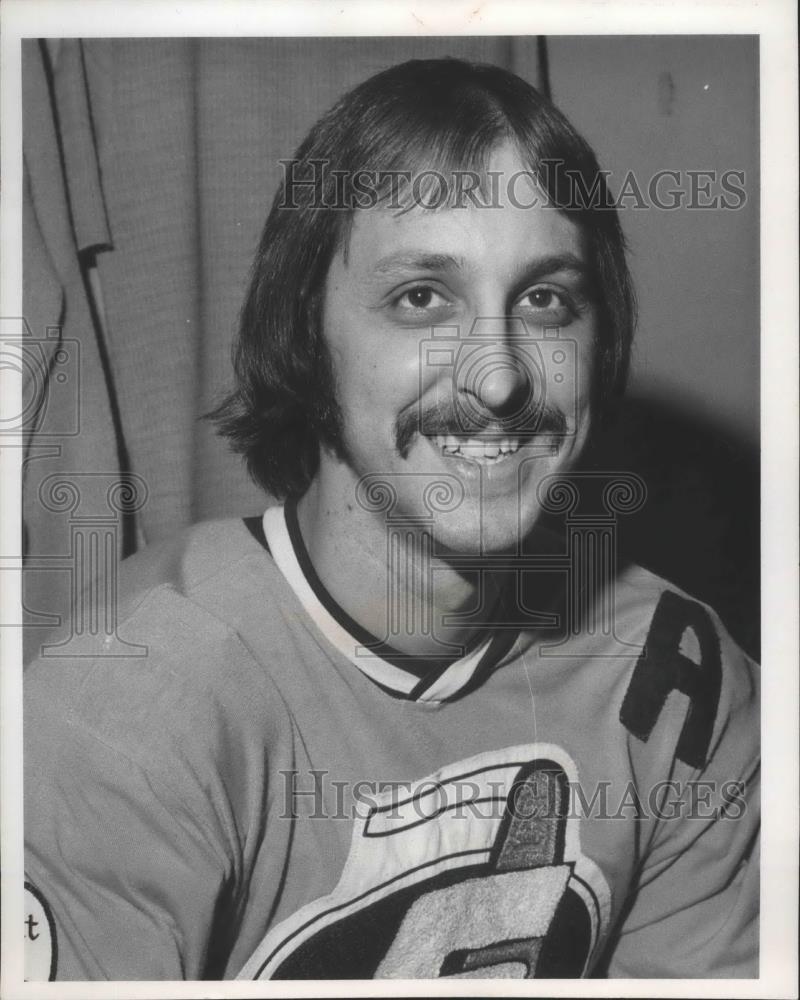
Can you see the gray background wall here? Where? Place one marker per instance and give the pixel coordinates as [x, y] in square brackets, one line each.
[672, 102]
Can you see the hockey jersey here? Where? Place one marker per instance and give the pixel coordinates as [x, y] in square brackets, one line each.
[244, 784]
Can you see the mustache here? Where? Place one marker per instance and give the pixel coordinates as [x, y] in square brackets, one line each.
[458, 419]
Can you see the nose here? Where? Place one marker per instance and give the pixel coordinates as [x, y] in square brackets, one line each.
[502, 384]
[493, 371]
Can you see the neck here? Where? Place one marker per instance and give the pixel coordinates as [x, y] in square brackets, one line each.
[387, 577]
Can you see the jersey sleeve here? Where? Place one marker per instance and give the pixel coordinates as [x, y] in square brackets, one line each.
[144, 799]
[694, 910]
[127, 875]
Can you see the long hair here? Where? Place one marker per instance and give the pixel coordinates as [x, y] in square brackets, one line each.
[442, 115]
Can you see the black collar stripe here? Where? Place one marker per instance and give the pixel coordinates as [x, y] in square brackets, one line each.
[255, 525]
[280, 544]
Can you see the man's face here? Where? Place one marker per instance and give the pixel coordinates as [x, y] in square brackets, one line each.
[489, 406]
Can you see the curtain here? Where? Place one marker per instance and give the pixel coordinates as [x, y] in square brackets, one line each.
[149, 168]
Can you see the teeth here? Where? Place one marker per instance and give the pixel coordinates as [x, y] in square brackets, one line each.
[450, 443]
[474, 448]
[508, 446]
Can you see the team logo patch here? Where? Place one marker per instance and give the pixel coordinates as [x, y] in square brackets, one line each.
[41, 950]
[496, 887]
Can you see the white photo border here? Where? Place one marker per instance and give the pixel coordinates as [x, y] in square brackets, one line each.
[775, 23]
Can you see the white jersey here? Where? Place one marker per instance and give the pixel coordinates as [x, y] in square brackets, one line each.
[262, 790]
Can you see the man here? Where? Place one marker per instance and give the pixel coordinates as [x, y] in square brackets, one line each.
[390, 729]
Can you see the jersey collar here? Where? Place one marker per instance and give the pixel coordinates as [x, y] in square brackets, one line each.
[408, 677]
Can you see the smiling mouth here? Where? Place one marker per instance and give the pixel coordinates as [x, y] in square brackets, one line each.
[484, 452]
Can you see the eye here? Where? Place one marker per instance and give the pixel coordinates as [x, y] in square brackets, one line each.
[545, 306]
[543, 298]
[418, 298]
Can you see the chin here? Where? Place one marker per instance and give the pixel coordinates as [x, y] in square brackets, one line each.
[498, 531]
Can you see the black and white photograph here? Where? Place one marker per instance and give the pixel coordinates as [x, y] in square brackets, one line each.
[399, 445]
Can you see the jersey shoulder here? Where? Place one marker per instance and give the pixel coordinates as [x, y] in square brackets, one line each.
[169, 672]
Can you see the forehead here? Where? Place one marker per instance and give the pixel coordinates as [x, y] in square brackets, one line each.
[513, 224]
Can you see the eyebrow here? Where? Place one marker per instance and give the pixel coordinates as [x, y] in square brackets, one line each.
[533, 269]
[553, 264]
[560, 263]
[417, 262]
